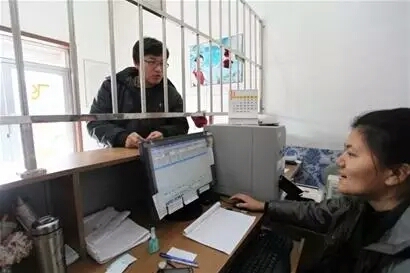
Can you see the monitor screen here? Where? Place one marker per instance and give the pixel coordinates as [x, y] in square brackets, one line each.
[180, 170]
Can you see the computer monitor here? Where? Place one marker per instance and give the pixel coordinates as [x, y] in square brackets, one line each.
[179, 170]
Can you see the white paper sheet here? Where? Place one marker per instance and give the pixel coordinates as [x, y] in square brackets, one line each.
[204, 188]
[220, 228]
[175, 205]
[160, 206]
[121, 264]
[183, 254]
[189, 197]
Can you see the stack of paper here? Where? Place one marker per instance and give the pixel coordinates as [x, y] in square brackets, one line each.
[110, 233]
[220, 228]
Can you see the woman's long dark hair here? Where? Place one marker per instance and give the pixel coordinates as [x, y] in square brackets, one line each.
[387, 134]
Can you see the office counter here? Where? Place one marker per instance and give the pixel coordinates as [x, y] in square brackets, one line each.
[82, 183]
[74, 185]
[73, 163]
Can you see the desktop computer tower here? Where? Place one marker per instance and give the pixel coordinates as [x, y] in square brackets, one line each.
[248, 159]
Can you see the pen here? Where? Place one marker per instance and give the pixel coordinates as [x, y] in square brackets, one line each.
[178, 260]
[171, 264]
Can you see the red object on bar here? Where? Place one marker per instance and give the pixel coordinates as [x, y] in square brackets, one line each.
[200, 121]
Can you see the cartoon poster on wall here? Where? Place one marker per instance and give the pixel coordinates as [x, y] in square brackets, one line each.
[211, 57]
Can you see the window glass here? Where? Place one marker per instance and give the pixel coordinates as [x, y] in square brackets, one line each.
[48, 93]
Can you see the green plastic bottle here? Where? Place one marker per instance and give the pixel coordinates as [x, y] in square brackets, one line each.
[153, 243]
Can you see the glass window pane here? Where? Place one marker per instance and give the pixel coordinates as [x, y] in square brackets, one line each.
[45, 93]
[34, 51]
[88, 142]
[52, 140]
[11, 153]
[47, 83]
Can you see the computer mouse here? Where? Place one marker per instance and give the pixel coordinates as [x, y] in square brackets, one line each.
[235, 206]
[234, 202]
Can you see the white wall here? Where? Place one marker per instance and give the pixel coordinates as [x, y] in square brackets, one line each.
[408, 43]
[327, 62]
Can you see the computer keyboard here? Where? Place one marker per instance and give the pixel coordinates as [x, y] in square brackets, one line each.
[268, 253]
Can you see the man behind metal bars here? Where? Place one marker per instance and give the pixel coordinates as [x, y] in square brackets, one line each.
[128, 133]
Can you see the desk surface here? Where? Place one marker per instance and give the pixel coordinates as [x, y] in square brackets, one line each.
[170, 235]
[75, 162]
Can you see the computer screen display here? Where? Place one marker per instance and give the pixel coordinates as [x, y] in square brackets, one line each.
[180, 170]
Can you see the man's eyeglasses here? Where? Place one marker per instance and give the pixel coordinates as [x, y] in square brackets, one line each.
[155, 63]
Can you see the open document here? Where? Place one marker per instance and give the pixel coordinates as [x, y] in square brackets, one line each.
[220, 228]
[109, 233]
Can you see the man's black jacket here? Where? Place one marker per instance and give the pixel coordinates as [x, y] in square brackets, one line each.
[114, 133]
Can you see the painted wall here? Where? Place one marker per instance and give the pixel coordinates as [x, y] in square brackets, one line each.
[327, 62]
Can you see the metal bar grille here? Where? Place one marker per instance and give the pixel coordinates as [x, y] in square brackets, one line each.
[247, 56]
[26, 130]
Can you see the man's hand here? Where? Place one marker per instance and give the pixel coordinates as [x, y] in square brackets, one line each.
[133, 140]
[155, 135]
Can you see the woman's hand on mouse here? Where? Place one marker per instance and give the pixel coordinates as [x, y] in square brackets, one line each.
[247, 202]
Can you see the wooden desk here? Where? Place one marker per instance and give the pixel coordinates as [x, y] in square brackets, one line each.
[296, 254]
[170, 235]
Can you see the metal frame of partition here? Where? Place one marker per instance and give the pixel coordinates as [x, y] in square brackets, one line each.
[254, 60]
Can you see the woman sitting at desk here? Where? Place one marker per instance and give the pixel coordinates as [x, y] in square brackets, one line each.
[367, 230]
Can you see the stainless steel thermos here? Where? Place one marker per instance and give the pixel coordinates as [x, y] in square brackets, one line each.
[48, 241]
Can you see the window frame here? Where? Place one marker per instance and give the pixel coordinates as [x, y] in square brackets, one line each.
[11, 147]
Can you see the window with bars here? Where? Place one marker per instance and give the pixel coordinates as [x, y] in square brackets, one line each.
[47, 73]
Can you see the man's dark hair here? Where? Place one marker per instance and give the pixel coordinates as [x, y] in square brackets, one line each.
[151, 47]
